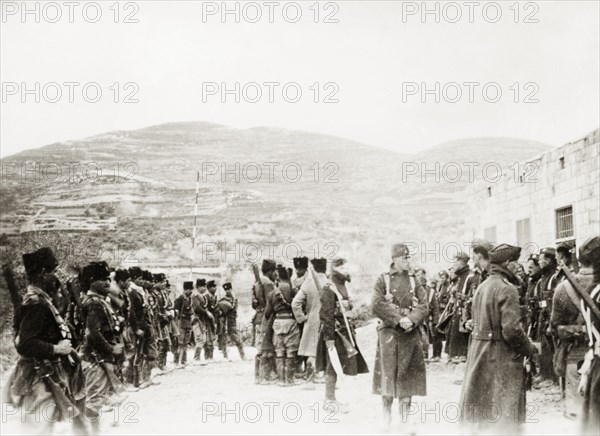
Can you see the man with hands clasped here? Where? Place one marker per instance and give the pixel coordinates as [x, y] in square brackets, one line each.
[400, 303]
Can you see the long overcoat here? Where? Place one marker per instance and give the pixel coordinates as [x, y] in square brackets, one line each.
[493, 389]
[399, 363]
[306, 306]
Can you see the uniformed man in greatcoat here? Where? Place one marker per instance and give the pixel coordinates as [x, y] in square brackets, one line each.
[494, 385]
[400, 303]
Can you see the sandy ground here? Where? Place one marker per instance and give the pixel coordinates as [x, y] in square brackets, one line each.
[222, 398]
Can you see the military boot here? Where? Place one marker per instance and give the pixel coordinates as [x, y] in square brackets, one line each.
[265, 370]
[404, 408]
[240, 348]
[310, 372]
[257, 374]
[387, 411]
[290, 370]
[272, 368]
[281, 368]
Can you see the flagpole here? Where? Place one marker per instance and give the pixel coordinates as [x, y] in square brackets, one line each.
[195, 222]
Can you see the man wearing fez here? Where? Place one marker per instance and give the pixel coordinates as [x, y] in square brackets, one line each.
[163, 317]
[202, 321]
[122, 280]
[337, 350]
[184, 314]
[286, 335]
[400, 303]
[306, 306]
[568, 330]
[227, 309]
[301, 265]
[213, 328]
[48, 373]
[141, 322]
[264, 368]
[102, 346]
[589, 386]
[494, 385]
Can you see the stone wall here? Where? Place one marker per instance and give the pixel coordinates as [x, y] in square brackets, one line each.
[565, 176]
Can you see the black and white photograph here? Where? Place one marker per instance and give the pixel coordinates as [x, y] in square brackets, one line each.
[308, 217]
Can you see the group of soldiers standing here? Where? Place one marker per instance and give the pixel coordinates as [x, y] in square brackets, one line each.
[84, 344]
[304, 325]
[508, 325]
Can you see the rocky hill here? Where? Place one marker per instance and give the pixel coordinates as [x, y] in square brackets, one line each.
[259, 185]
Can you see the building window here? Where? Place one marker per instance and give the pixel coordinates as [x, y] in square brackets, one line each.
[564, 223]
[523, 232]
[489, 234]
[561, 163]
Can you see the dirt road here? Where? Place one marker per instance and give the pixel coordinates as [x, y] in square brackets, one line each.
[221, 398]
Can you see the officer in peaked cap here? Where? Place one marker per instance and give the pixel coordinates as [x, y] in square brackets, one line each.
[400, 303]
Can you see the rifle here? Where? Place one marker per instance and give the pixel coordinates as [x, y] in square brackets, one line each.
[66, 407]
[583, 294]
[261, 302]
[15, 296]
[76, 317]
[335, 291]
[110, 375]
[445, 317]
[137, 361]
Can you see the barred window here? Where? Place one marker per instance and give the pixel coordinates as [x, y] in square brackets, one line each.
[564, 222]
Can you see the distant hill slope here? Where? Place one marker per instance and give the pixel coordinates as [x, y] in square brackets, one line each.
[360, 200]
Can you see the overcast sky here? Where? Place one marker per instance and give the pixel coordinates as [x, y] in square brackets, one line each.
[368, 54]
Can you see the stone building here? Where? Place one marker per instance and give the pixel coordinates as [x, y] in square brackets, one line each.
[543, 201]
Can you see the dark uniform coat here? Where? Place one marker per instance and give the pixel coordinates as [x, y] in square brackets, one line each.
[264, 344]
[457, 337]
[565, 313]
[333, 328]
[40, 327]
[493, 387]
[591, 401]
[399, 363]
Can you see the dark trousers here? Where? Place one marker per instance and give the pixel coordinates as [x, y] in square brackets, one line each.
[438, 343]
[330, 380]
